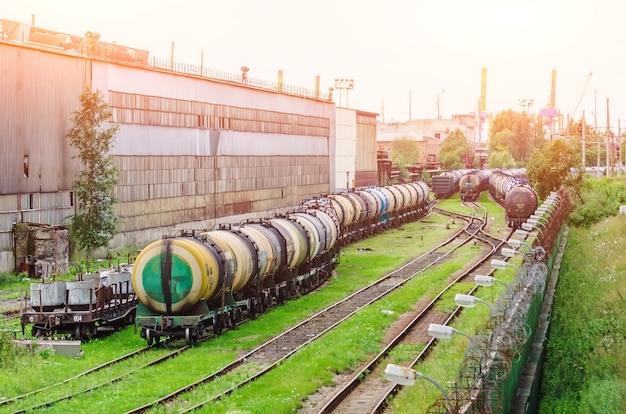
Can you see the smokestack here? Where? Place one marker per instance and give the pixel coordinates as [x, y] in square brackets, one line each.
[172, 58]
[317, 86]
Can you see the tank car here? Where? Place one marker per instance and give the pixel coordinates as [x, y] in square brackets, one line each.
[511, 190]
[472, 184]
[446, 184]
[520, 203]
[92, 305]
[196, 281]
[201, 280]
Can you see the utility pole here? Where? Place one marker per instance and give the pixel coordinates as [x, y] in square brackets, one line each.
[583, 143]
[438, 102]
[595, 127]
[619, 154]
[608, 141]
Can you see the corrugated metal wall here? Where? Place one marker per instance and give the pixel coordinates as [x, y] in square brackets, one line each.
[366, 152]
[158, 191]
[172, 177]
[39, 91]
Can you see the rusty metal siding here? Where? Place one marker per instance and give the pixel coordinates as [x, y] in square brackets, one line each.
[51, 208]
[36, 114]
[170, 176]
[188, 191]
[366, 148]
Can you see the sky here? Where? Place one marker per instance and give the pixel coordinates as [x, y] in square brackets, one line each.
[410, 59]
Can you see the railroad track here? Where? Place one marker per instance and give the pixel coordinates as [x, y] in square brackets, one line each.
[57, 392]
[49, 389]
[273, 352]
[366, 391]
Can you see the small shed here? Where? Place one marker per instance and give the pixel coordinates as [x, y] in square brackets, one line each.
[41, 249]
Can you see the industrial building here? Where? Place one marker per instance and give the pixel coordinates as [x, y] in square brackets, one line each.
[195, 147]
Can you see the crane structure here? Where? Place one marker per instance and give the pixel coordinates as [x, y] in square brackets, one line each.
[551, 112]
[582, 95]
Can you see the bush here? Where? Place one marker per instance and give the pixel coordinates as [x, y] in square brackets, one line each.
[8, 351]
[8, 278]
[601, 198]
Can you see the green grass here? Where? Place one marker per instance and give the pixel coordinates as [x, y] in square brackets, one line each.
[340, 351]
[23, 373]
[495, 214]
[357, 268]
[316, 365]
[585, 366]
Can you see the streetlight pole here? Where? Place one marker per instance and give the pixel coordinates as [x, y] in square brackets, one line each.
[407, 376]
[438, 102]
[526, 104]
[582, 137]
[344, 84]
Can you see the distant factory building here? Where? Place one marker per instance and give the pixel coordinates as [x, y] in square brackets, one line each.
[429, 134]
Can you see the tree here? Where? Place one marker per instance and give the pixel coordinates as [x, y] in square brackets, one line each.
[556, 164]
[92, 135]
[520, 133]
[404, 151]
[455, 150]
[501, 158]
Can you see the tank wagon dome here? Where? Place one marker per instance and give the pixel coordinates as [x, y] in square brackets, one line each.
[328, 207]
[342, 202]
[240, 254]
[360, 207]
[392, 201]
[172, 275]
[401, 198]
[271, 247]
[296, 240]
[422, 191]
[409, 194]
[520, 201]
[320, 228]
[382, 201]
[372, 202]
[468, 181]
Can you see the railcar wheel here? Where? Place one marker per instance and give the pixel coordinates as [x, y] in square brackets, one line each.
[282, 295]
[251, 308]
[149, 337]
[188, 336]
[258, 307]
[77, 332]
[218, 325]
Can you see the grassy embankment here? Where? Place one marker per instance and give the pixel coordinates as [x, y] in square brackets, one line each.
[585, 366]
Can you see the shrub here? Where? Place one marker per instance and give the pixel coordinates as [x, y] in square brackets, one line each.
[8, 278]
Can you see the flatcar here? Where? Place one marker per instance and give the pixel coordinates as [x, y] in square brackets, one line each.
[472, 184]
[198, 281]
[511, 190]
[92, 305]
[446, 184]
